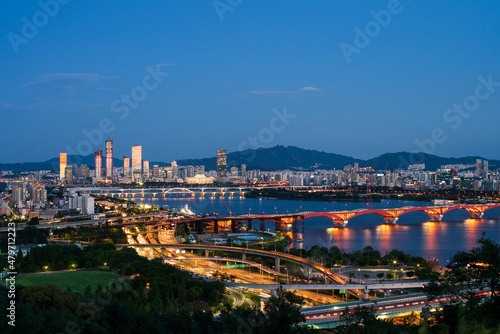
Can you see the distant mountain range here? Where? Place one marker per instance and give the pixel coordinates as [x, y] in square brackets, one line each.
[278, 157]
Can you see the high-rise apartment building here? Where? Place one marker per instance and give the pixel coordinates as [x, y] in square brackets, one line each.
[190, 171]
[98, 164]
[63, 161]
[68, 174]
[38, 193]
[109, 159]
[156, 171]
[136, 163]
[200, 169]
[18, 192]
[479, 168]
[221, 163]
[126, 166]
[83, 172]
[83, 203]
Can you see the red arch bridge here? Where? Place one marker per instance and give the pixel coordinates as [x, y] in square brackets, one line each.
[340, 218]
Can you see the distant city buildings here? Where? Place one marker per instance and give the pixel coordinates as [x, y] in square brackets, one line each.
[83, 203]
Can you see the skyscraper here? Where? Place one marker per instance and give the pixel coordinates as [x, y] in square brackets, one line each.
[63, 160]
[485, 169]
[136, 163]
[109, 159]
[244, 171]
[98, 164]
[145, 169]
[126, 166]
[221, 163]
[479, 169]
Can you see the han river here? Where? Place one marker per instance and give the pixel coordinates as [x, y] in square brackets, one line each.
[412, 233]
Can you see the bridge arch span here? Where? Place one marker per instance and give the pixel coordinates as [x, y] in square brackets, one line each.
[178, 191]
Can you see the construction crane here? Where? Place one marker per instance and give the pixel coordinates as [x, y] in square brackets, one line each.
[230, 214]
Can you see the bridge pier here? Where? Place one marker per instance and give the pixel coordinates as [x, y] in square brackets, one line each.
[387, 292]
[303, 225]
[249, 224]
[233, 225]
[435, 218]
[365, 294]
[262, 226]
[199, 227]
[340, 223]
[277, 264]
[244, 256]
[216, 226]
[207, 253]
[477, 215]
[295, 226]
[390, 220]
[309, 273]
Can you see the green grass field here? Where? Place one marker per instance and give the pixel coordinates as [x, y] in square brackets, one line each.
[76, 280]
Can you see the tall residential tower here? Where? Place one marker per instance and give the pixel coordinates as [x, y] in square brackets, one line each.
[109, 159]
[98, 164]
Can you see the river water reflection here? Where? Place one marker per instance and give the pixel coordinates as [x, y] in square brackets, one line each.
[413, 233]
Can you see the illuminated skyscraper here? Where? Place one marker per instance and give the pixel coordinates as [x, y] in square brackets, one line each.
[98, 164]
[221, 163]
[136, 163]
[145, 169]
[109, 159]
[126, 166]
[63, 161]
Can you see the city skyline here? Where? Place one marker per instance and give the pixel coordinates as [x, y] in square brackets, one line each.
[346, 89]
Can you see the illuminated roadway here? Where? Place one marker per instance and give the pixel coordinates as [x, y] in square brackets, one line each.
[276, 255]
[328, 316]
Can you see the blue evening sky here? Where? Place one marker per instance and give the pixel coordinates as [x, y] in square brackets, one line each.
[230, 67]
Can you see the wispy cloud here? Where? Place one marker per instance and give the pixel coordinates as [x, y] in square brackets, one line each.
[285, 93]
[62, 83]
[310, 89]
